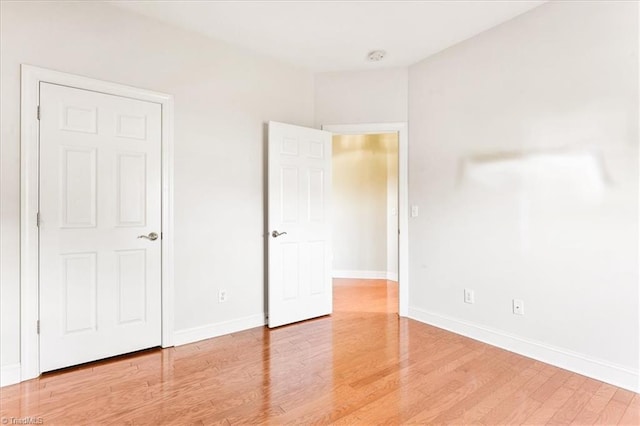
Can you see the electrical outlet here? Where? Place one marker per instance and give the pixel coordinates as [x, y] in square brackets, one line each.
[469, 296]
[518, 307]
[415, 211]
[222, 296]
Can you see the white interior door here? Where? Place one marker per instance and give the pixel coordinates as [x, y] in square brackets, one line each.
[299, 220]
[100, 189]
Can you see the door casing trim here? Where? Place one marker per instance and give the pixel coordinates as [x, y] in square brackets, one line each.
[31, 77]
[403, 195]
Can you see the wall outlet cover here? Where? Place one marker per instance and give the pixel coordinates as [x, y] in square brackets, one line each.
[518, 307]
[469, 296]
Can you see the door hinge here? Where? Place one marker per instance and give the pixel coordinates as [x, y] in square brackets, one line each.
[38, 219]
[162, 235]
[38, 113]
[38, 326]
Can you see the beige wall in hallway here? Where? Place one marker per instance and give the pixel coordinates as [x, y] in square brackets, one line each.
[364, 197]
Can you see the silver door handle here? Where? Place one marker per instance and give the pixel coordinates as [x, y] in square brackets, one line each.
[276, 234]
[152, 236]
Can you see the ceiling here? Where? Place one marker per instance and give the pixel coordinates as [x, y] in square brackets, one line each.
[336, 35]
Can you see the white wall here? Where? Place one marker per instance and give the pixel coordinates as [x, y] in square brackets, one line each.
[377, 96]
[550, 231]
[362, 197]
[223, 96]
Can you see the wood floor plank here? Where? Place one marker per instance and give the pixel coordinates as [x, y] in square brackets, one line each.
[624, 396]
[570, 410]
[517, 406]
[471, 390]
[346, 401]
[550, 407]
[632, 414]
[471, 410]
[418, 389]
[612, 413]
[595, 406]
[363, 365]
[551, 385]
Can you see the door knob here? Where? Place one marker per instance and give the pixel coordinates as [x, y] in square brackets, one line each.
[276, 234]
[152, 236]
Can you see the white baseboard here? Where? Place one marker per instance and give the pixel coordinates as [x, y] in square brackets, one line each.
[365, 275]
[598, 369]
[10, 374]
[182, 337]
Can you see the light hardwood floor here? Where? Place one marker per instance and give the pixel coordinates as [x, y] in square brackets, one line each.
[362, 365]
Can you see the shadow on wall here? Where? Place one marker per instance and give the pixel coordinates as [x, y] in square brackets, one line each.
[567, 174]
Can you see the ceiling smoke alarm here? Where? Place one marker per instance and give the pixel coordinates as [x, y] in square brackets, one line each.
[376, 55]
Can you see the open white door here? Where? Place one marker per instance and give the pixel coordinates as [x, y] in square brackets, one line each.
[299, 220]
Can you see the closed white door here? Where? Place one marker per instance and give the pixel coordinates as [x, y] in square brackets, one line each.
[299, 220]
[100, 190]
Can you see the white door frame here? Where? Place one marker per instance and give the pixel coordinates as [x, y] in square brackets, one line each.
[29, 200]
[403, 195]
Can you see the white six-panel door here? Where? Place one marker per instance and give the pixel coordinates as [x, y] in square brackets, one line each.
[100, 189]
[299, 220]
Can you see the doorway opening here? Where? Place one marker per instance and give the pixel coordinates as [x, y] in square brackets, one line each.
[370, 216]
[365, 222]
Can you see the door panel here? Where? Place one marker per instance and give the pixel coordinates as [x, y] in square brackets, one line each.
[78, 189]
[131, 199]
[298, 204]
[100, 188]
[78, 281]
[131, 267]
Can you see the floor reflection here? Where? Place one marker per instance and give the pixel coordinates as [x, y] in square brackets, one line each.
[247, 377]
[361, 365]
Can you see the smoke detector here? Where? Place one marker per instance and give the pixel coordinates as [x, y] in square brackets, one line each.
[376, 55]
